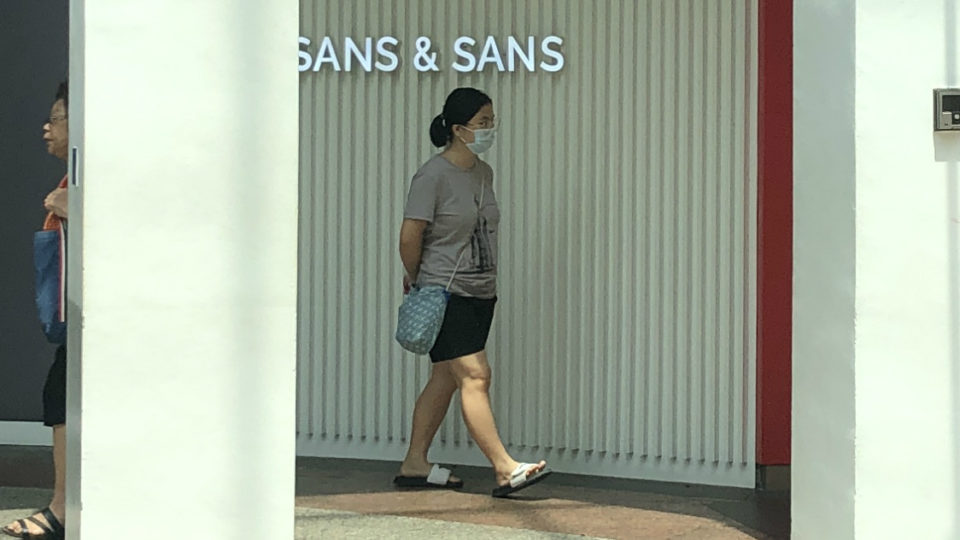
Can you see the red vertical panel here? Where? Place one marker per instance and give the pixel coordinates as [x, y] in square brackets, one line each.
[775, 231]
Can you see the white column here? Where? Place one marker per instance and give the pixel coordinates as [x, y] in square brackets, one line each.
[184, 245]
[824, 268]
[877, 301]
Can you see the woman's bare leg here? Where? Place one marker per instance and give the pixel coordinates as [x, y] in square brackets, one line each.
[472, 374]
[428, 414]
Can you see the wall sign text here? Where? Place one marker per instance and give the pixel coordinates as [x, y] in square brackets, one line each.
[466, 54]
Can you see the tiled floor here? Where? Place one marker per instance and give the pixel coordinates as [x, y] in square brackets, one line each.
[355, 499]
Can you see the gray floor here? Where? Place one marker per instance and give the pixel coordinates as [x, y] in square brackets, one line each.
[314, 523]
[339, 498]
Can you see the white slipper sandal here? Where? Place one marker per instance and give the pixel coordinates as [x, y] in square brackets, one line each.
[520, 478]
[439, 477]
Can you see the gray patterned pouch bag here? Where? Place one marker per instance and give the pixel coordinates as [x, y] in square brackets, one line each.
[421, 315]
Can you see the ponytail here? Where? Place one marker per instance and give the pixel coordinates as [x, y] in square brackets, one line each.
[440, 132]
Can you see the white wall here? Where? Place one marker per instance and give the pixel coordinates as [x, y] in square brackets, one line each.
[876, 354]
[907, 273]
[182, 416]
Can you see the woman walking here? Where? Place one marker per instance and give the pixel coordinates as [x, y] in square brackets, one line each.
[449, 236]
[47, 523]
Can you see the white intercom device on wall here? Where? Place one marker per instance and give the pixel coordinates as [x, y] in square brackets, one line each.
[946, 109]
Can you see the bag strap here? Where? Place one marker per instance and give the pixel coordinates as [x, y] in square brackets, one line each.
[483, 187]
[63, 270]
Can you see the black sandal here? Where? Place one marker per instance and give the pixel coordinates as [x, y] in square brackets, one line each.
[52, 529]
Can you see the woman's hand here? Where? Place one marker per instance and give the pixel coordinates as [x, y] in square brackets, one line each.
[408, 283]
[56, 202]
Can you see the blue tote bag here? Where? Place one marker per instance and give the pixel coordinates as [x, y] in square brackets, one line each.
[49, 263]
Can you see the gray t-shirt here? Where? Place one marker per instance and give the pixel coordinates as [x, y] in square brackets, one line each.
[448, 197]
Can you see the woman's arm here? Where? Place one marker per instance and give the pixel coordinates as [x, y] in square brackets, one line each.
[411, 247]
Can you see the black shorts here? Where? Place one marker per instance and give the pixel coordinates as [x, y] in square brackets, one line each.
[55, 390]
[466, 325]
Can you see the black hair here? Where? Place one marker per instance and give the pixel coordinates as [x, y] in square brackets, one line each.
[462, 105]
[62, 93]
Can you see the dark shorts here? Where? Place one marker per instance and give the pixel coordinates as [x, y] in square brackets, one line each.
[466, 325]
[55, 390]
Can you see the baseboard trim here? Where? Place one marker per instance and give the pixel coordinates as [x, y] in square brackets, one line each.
[587, 463]
[25, 434]
[773, 477]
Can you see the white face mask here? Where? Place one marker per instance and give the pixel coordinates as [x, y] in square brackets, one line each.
[482, 139]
